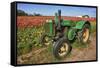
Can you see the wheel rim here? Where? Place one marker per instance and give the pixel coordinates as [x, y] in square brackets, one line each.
[46, 40]
[85, 34]
[63, 49]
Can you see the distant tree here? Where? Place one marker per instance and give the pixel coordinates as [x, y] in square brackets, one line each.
[85, 16]
[37, 14]
[21, 13]
[30, 15]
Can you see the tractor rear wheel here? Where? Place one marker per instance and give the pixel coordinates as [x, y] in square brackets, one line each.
[61, 48]
[85, 33]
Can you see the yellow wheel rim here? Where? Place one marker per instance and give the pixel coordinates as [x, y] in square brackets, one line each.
[46, 39]
[85, 35]
[63, 49]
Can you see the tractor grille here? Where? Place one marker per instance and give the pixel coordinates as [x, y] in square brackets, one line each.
[47, 27]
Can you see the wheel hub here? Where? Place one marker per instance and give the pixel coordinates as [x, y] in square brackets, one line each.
[63, 49]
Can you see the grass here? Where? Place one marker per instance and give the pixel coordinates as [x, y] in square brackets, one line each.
[77, 44]
[27, 38]
[93, 28]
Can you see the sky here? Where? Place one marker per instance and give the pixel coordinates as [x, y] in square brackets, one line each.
[49, 10]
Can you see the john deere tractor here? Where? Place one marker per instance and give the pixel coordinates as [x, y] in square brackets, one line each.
[62, 32]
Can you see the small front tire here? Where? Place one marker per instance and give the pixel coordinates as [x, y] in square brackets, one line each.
[61, 48]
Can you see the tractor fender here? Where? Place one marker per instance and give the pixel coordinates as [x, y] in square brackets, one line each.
[80, 24]
[71, 34]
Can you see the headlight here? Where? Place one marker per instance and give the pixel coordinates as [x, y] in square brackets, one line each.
[48, 20]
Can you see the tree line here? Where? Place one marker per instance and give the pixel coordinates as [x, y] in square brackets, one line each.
[23, 13]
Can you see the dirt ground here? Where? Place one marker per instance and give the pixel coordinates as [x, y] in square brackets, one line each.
[44, 54]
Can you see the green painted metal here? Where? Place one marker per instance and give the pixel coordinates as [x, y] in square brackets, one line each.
[67, 23]
[51, 27]
[48, 26]
[79, 24]
[71, 34]
[72, 26]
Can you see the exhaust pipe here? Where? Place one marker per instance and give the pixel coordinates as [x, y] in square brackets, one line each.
[59, 20]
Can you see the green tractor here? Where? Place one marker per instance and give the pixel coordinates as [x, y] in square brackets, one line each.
[62, 32]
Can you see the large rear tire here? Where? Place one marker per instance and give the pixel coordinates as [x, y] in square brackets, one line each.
[61, 48]
[85, 33]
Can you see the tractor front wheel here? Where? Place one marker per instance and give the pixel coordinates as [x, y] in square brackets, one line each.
[61, 48]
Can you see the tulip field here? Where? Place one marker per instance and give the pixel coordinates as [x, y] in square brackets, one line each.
[30, 21]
